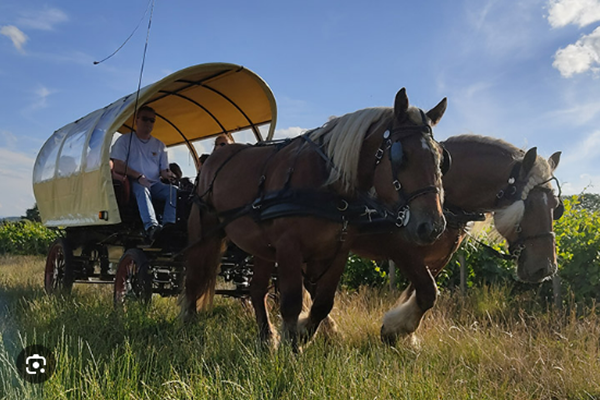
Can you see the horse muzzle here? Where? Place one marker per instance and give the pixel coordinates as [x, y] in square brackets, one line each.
[428, 232]
[535, 271]
[388, 337]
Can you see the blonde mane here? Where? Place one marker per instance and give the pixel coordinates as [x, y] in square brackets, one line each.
[342, 139]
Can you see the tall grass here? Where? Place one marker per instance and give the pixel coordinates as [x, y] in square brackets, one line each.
[483, 346]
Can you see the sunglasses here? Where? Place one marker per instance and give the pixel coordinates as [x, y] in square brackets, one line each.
[221, 144]
[148, 119]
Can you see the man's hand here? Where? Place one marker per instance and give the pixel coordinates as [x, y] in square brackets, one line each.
[168, 175]
[142, 180]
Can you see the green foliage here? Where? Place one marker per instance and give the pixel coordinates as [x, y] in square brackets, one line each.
[33, 214]
[578, 243]
[360, 271]
[578, 251]
[25, 237]
[484, 267]
[587, 201]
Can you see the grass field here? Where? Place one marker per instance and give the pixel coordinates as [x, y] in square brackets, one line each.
[483, 346]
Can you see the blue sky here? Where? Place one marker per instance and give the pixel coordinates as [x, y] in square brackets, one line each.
[523, 71]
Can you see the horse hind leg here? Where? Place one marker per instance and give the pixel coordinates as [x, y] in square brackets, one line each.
[323, 294]
[259, 287]
[202, 262]
[328, 327]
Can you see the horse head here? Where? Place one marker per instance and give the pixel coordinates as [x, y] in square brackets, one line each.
[527, 222]
[408, 169]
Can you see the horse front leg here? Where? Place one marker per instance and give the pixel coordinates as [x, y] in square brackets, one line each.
[323, 294]
[259, 287]
[289, 271]
[404, 319]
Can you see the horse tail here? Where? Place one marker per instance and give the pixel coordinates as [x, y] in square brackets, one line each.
[202, 260]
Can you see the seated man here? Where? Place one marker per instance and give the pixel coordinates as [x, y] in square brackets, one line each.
[143, 158]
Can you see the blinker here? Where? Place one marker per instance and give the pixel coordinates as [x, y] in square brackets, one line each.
[559, 210]
[446, 161]
[396, 156]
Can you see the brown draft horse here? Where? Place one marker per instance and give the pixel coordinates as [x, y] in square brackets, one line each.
[275, 202]
[487, 176]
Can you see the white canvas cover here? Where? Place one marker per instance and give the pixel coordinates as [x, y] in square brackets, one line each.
[72, 180]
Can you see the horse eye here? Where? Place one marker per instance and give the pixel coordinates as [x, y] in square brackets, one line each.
[396, 155]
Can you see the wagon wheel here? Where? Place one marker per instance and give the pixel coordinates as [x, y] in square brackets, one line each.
[58, 275]
[132, 281]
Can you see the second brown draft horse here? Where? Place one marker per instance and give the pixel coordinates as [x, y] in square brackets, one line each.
[487, 176]
[299, 203]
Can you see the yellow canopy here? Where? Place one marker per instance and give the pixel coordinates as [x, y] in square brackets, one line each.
[71, 179]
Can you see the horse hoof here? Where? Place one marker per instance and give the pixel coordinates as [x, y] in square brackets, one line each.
[413, 342]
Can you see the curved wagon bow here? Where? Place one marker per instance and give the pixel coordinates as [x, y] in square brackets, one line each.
[75, 187]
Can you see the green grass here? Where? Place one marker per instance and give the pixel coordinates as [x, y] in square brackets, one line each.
[483, 346]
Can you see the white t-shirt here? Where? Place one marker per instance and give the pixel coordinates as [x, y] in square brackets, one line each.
[148, 157]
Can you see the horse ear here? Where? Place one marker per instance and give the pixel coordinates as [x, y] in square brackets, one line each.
[528, 161]
[401, 104]
[436, 113]
[554, 160]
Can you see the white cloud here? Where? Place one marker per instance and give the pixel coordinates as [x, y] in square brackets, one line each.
[9, 139]
[16, 35]
[40, 100]
[15, 173]
[587, 183]
[42, 20]
[580, 12]
[289, 132]
[578, 166]
[586, 151]
[580, 57]
[499, 29]
[582, 112]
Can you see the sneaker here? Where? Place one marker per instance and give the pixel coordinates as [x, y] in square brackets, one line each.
[152, 232]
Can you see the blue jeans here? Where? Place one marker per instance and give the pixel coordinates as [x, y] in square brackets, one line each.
[158, 191]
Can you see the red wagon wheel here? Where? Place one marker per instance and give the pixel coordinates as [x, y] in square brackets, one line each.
[58, 275]
[132, 281]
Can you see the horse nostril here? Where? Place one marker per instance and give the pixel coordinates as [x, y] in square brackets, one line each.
[428, 232]
[424, 230]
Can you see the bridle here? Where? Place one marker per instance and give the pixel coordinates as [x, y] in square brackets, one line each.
[515, 248]
[401, 209]
[511, 192]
